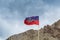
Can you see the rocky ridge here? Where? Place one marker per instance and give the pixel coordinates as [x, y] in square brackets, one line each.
[49, 32]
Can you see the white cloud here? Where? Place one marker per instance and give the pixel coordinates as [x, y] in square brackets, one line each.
[12, 22]
[1, 38]
[51, 15]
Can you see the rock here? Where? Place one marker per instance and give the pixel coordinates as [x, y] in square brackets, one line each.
[49, 32]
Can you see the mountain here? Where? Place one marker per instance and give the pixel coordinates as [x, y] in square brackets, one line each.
[49, 32]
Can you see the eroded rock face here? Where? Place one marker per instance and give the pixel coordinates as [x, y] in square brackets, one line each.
[49, 32]
[28, 35]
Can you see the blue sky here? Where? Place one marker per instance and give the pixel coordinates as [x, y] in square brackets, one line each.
[13, 13]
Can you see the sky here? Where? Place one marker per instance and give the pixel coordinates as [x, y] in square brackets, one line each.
[13, 13]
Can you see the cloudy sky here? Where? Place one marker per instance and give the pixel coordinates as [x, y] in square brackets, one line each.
[13, 13]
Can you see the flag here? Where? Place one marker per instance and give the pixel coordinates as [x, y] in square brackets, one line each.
[32, 20]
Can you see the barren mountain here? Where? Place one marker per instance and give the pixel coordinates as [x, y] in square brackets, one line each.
[49, 32]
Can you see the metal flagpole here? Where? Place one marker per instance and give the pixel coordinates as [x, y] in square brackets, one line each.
[38, 32]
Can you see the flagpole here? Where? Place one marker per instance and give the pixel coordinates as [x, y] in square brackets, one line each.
[38, 32]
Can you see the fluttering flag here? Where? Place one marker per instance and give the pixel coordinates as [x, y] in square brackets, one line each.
[34, 20]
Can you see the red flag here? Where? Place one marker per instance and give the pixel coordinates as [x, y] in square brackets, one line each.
[32, 20]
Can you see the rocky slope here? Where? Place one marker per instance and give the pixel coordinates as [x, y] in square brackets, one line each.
[49, 32]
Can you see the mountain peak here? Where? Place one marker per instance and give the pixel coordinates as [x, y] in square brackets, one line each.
[49, 32]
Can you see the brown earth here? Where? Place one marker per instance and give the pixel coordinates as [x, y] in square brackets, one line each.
[49, 32]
